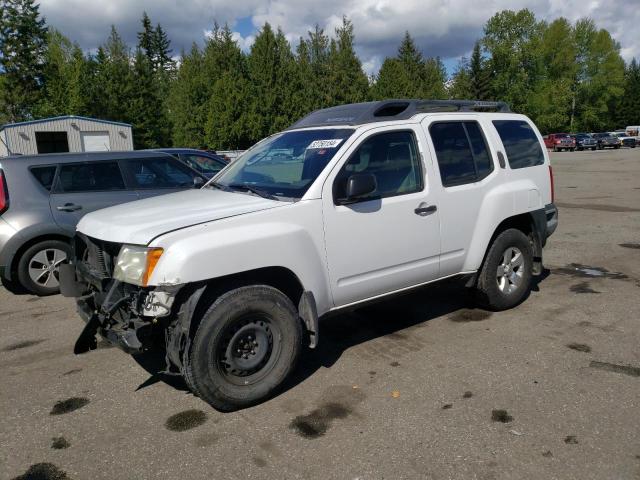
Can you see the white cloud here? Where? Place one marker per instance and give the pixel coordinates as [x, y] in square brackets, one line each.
[446, 28]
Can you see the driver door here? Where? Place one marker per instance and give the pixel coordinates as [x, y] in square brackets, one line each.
[390, 239]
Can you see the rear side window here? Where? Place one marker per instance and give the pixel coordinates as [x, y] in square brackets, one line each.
[90, 177]
[520, 142]
[462, 152]
[44, 175]
[161, 172]
[204, 165]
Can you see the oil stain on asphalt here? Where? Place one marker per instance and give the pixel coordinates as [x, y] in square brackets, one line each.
[260, 462]
[467, 394]
[72, 371]
[585, 271]
[467, 315]
[20, 345]
[69, 405]
[186, 420]
[571, 440]
[43, 471]
[580, 347]
[612, 367]
[501, 416]
[317, 422]
[635, 246]
[582, 287]
[59, 443]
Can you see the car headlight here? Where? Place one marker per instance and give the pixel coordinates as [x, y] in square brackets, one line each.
[135, 264]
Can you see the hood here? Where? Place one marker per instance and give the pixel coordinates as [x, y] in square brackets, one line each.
[141, 221]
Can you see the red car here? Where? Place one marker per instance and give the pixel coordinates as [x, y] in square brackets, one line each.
[560, 141]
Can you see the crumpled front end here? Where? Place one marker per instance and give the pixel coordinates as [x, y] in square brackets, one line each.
[128, 316]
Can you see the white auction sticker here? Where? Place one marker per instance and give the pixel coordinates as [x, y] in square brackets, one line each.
[332, 143]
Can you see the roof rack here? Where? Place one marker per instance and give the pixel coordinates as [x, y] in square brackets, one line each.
[385, 110]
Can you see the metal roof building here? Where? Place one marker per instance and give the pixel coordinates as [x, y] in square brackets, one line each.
[64, 134]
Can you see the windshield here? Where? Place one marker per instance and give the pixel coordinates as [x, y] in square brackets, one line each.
[284, 165]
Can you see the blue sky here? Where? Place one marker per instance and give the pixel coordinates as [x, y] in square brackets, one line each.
[445, 28]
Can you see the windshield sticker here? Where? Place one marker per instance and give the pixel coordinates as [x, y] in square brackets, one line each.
[332, 143]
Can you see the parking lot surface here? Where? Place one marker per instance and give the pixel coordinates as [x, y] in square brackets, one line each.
[421, 386]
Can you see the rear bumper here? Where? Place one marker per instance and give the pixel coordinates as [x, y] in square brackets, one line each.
[551, 215]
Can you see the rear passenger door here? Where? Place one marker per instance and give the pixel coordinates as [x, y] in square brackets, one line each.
[153, 176]
[465, 163]
[83, 187]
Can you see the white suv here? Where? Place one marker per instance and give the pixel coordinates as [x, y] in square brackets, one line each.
[350, 204]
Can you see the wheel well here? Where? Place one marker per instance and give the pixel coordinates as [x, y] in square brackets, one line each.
[26, 245]
[526, 224]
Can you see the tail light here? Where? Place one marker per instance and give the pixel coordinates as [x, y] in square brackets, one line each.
[4, 194]
[553, 192]
[558, 142]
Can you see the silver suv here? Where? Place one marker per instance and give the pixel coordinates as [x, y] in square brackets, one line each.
[42, 198]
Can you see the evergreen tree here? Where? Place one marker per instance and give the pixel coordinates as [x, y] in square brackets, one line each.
[460, 86]
[146, 108]
[347, 81]
[65, 78]
[145, 38]
[389, 80]
[227, 122]
[188, 100]
[161, 46]
[270, 68]
[628, 111]
[23, 38]
[479, 75]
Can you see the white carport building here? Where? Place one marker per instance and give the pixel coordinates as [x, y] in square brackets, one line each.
[64, 134]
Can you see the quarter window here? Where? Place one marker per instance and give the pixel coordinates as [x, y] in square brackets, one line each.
[165, 172]
[44, 175]
[462, 152]
[392, 158]
[90, 177]
[520, 143]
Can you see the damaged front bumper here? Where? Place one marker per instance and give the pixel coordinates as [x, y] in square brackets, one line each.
[127, 316]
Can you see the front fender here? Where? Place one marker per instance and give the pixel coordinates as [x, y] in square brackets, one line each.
[291, 238]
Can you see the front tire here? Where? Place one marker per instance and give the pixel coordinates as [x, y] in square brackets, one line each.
[38, 266]
[246, 345]
[505, 277]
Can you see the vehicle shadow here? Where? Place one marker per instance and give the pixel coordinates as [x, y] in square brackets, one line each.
[341, 332]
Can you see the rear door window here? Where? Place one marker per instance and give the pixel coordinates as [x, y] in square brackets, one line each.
[520, 143]
[205, 165]
[462, 152]
[44, 175]
[160, 172]
[90, 177]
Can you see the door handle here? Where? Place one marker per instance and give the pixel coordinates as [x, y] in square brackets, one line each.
[423, 209]
[69, 207]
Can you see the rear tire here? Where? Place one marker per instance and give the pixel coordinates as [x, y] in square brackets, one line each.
[38, 266]
[246, 345]
[505, 277]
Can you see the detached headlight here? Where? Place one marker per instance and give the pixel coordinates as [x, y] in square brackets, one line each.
[135, 264]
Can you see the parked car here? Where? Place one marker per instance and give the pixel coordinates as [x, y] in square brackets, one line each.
[624, 139]
[584, 141]
[231, 279]
[44, 196]
[204, 162]
[606, 140]
[560, 141]
[634, 132]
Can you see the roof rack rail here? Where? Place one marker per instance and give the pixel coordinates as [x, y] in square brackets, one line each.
[385, 110]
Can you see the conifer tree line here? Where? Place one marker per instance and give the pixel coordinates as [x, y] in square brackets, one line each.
[566, 77]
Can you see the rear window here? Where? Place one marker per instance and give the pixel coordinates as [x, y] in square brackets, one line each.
[520, 143]
[44, 175]
[161, 172]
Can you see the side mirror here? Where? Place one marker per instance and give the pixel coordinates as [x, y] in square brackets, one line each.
[360, 185]
[198, 182]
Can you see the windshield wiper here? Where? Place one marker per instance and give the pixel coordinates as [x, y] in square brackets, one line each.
[220, 186]
[252, 189]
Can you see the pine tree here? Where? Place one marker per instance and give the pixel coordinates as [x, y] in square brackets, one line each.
[145, 38]
[227, 127]
[189, 95]
[628, 111]
[348, 82]
[479, 75]
[64, 78]
[460, 86]
[23, 38]
[146, 109]
[161, 47]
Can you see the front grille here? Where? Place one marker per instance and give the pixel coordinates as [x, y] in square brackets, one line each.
[97, 255]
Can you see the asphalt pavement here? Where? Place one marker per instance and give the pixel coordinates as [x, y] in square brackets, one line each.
[421, 386]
